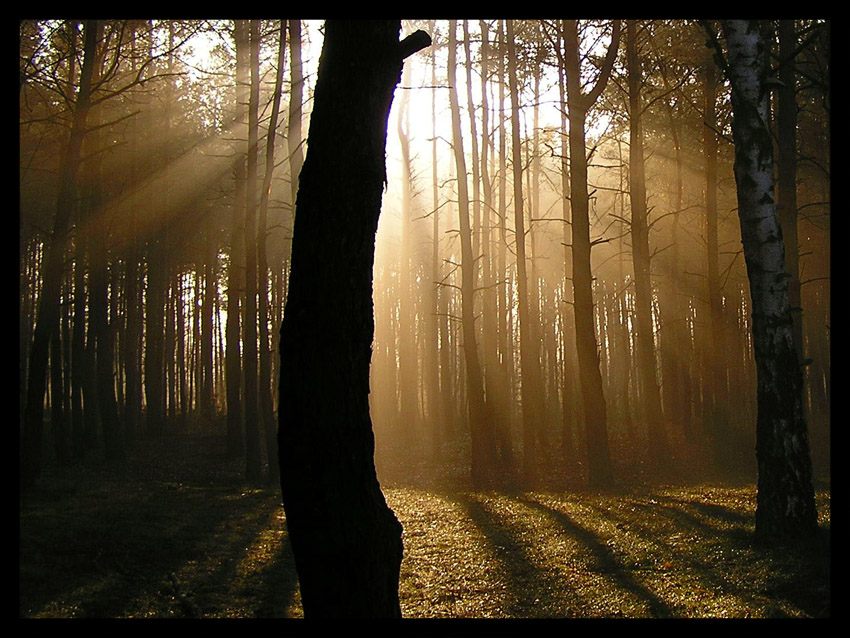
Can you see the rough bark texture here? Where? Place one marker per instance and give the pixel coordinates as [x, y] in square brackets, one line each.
[345, 539]
[786, 506]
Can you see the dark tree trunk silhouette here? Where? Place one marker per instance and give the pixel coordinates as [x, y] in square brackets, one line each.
[266, 400]
[47, 320]
[785, 503]
[786, 206]
[250, 363]
[345, 539]
[235, 271]
[714, 371]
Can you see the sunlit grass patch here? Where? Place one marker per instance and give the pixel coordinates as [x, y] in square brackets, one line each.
[671, 552]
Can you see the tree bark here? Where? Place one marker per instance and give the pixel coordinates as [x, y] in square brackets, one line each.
[659, 449]
[785, 502]
[593, 398]
[480, 425]
[786, 121]
[235, 271]
[266, 402]
[529, 352]
[716, 423]
[47, 320]
[345, 539]
[249, 312]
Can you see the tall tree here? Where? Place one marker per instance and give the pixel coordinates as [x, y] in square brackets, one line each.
[714, 365]
[786, 206]
[235, 271]
[480, 425]
[593, 398]
[785, 502]
[250, 363]
[296, 99]
[530, 386]
[47, 318]
[345, 539]
[659, 448]
[265, 374]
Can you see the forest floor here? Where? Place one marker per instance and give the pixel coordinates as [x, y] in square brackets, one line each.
[175, 532]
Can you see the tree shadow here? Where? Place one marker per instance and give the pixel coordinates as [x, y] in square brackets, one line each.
[530, 589]
[605, 562]
[163, 550]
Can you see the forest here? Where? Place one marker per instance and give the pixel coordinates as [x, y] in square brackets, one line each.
[536, 346]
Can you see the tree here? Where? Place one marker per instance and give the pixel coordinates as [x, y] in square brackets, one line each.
[480, 424]
[48, 307]
[265, 374]
[645, 344]
[235, 277]
[345, 539]
[785, 503]
[593, 398]
[250, 363]
[532, 414]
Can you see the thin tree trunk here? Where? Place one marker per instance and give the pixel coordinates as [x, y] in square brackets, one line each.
[482, 439]
[266, 402]
[249, 318]
[407, 363]
[235, 273]
[294, 134]
[659, 449]
[715, 397]
[786, 120]
[593, 399]
[436, 411]
[47, 318]
[529, 356]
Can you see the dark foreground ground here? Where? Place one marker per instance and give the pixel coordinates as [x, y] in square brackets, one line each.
[185, 537]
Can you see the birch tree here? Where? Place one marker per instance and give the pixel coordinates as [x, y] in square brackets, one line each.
[785, 502]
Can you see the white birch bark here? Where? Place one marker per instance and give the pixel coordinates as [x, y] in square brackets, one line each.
[785, 493]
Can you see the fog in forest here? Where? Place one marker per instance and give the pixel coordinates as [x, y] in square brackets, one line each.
[158, 173]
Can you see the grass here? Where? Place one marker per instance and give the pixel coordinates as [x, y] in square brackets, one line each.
[176, 533]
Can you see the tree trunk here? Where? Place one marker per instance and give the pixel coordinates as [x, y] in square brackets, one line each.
[345, 539]
[593, 399]
[99, 299]
[407, 360]
[249, 314]
[659, 449]
[235, 271]
[481, 427]
[529, 353]
[786, 120]
[47, 320]
[715, 400]
[266, 402]
[296, 97]
[437, 412]
[785, 502]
